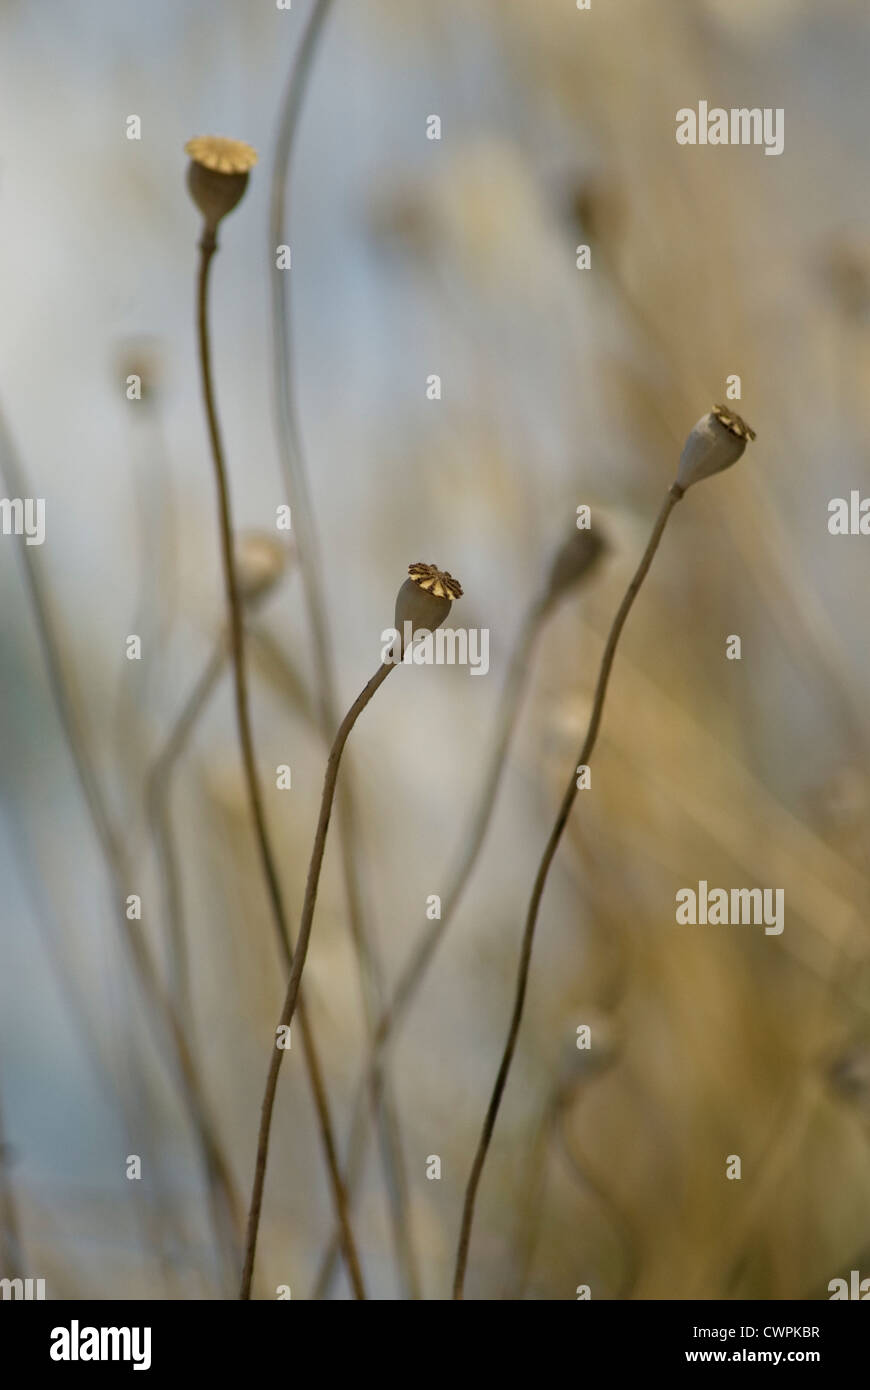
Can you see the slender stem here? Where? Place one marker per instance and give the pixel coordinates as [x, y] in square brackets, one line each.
[673, 496]
[310, 900]
[288, 432]
[432, 934]
[161, 1015]
[208, 246]
[155, 608]
[368, 962]
[157, 788]
[102, 1048]
[766, 551]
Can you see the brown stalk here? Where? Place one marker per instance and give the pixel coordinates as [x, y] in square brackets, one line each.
[430, 938]
[208, 246]
[292, 459]
[299, 956]
[162, 1016]
[674, 494]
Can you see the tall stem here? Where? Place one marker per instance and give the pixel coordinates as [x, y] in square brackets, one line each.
[162, 1015]
[414, 971]
[311, 886]
[673, 496]
[157, 785]
[208, 246]
[369, 965]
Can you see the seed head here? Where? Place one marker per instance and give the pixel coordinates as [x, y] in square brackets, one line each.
[425, 598]
[217, 175]
[717, 441]
[261, 560]
[573, 561]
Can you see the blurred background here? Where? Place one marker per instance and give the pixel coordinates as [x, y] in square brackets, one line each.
[560, 387]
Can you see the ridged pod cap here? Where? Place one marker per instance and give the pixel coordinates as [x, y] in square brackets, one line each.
[717, 440]
[425, 598]
[217, 175]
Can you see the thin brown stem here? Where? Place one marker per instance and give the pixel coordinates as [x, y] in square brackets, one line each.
[673, 496]
[162, 1017]
[158, 798]
[299, 956]
[422, 953]
[208, 246]
[157, 788]
[291, 453]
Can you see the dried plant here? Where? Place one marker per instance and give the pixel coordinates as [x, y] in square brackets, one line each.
[260, 563]
[572, 564]
[422, 604]
[167, 1025]
[716, 442]
[217, 178]
[292, 458]
[133, 1002]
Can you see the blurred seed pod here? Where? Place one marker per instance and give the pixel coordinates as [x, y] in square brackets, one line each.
[143, 358]
[400, 222]
[217, 175]
[574, 560]
[598, 207]
[580, 1064]
[716, 442]
[261, 560]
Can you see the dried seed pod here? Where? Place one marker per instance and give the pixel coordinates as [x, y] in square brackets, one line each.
[573, 560]
[261, 560]
[217, 175]
[425, 598]
[717, 441]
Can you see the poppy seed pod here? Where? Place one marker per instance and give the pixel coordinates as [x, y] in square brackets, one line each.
[261, 560]
[217, 175]
[573, 560]
[717, 441]
[425, 598]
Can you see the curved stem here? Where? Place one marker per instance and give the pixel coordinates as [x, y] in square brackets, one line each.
[673, 496]
[162, 1017]
[157, 788]
[422, 953]
[311, 886]
[368, 962]
[208, 246]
